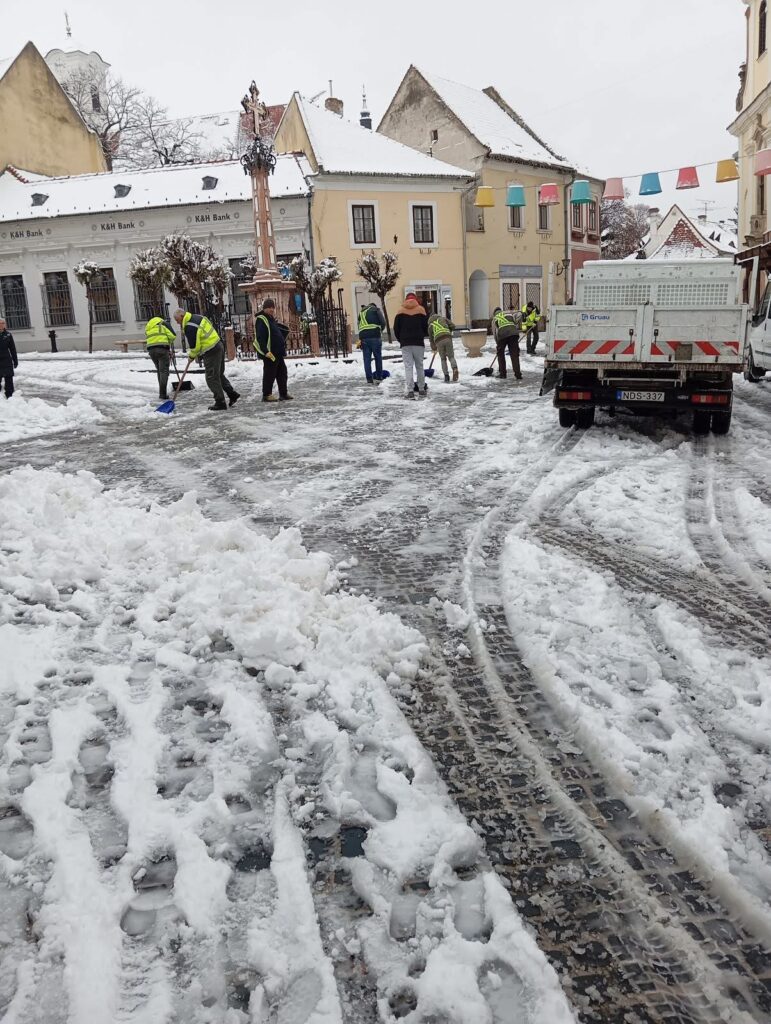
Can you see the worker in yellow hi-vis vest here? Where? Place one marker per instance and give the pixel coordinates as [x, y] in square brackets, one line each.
[204, 342]
[160, 336]
[531, 314]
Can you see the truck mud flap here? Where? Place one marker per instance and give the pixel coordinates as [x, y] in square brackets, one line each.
[549, 382]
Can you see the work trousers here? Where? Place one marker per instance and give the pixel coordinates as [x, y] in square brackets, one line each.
[413, 361]
[532, 340]
[274, 371]
[214, 371]
[512, 344]
[372, 347]
[161, 357]
[446, 352]
[8, 378]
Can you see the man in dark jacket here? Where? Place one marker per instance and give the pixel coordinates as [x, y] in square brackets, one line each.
[371, 324]
[8, 358]
[270, 345]
[410, 328]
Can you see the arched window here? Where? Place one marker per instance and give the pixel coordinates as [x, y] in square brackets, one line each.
[762, 18]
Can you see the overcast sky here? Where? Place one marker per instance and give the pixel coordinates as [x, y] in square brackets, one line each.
[620, 86]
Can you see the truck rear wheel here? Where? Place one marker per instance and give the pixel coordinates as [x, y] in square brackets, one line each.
[567, 417]
[585, 418]
[701, 421]
[753, 373]
[721, 421]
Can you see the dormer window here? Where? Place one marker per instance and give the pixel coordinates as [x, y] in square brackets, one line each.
[209, 182]
[121, 191]
[96, 103]
[38, 198]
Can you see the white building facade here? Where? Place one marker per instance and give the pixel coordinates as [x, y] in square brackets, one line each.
[48, 225]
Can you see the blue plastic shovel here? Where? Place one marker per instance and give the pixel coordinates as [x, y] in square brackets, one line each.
[430, 371]
[168, 407]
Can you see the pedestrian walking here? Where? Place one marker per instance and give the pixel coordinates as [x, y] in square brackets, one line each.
[9, 360]
[531, 314]
[371, 324]
[440, 330]
[270, 344]
[203, 342]
[506, 328]
[160, 337]
[410, 328]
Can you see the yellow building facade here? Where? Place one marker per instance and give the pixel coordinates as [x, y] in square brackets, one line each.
[370, 193]
[41, 130]
[752, 126]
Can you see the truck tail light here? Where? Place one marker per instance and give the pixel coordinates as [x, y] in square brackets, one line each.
[575, 396]
[715, 398]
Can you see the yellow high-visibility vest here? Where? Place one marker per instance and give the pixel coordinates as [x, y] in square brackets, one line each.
[157, 333]
[205, 338]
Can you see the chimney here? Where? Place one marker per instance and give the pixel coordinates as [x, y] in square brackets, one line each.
[702, 218]
[334, 105]
[365, 119]
[654, 217]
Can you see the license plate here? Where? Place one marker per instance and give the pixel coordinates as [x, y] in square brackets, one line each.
[640, 396]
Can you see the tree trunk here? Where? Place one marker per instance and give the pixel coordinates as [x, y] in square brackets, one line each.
[387, 318]
[90, 321]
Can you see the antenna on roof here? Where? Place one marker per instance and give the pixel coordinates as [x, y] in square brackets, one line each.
[707, 204]
[67, 23]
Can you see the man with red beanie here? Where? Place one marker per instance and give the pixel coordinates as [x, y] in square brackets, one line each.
[410, 328]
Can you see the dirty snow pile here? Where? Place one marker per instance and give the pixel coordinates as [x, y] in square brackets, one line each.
[211, 807]
[27, 417]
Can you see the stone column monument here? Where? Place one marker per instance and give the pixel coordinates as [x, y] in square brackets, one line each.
[259, 161]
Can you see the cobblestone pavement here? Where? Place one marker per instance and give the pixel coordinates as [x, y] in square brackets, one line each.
[417, 498]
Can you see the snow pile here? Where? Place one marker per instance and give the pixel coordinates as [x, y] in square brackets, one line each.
[194, 713]
[26, 417]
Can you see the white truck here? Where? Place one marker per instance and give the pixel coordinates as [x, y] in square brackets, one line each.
[655, 338]
[759, 347]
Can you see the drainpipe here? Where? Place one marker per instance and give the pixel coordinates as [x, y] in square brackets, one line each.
[568, 229]
[464, 235]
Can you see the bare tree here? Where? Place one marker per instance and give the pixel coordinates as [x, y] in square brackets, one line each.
[86, 273]
[623, 227]
[381, 276]
[159, 141]
[109, 107]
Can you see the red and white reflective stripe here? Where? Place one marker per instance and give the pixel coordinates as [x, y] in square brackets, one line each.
[592, 347]
[706, 348]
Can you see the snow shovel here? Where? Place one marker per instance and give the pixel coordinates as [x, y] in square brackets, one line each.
[430, 371]
[188, 384]
[168, 407]
[486, 371]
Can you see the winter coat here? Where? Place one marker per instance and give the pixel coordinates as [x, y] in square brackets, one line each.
[269, 335]
[8, 358]
[372, 316]
[439, 328]
[411, 324]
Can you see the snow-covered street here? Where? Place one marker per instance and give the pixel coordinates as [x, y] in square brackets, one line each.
[359, 709]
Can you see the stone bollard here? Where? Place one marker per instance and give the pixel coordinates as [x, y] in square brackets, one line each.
[230, 345]
[313, 330]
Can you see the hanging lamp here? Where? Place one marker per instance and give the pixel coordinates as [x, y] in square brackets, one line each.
[727, 170]
[485, 196]
[650, 184]
[548, 195]
[763, 162]
[515, 195]
[614, 190]
[687, 178]
[581, 193]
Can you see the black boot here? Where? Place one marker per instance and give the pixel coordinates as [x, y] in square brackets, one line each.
[218, 406]
[234, 398]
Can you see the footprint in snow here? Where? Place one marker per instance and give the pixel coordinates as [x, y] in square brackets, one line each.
[16, 833]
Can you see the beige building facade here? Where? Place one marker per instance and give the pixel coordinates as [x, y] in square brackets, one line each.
[512, 254]
[41, 130]
[371, 193]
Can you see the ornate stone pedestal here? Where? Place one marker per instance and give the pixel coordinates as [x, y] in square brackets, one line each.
[271, 285]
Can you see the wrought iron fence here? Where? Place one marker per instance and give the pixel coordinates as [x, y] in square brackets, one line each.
[333, 327]
[104, 299]
[13, 303]
[58, 310]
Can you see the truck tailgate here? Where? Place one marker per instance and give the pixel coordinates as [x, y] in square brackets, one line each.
[592, 335]
[705, 335]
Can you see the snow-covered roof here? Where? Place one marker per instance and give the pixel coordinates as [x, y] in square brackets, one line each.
[678, 236]
[217, 131]
[501, 131]
[344, 147]
[175, 185]
[5, 63]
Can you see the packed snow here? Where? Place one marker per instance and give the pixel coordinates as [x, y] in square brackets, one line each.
[26, 417]
[214, 805]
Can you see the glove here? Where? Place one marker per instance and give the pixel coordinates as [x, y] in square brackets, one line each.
[269, 355]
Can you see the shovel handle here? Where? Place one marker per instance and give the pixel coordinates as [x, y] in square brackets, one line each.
[184, 374]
